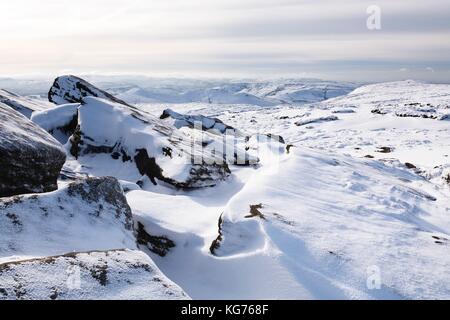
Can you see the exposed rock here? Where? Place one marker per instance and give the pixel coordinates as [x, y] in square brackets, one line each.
[215, 245]
[71, 89]
[255, 211]
[23, 105]
[410, 165]
[83, 215]
[114, 274]
[385, 149]
[31, 158]
[160, 245]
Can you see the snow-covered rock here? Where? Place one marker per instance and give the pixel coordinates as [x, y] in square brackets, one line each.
[24, 105]
[113, 274]
[153, 149]
[90, 214]
[71, 89]
[195, 121]
[312, 120]
[30, 158]
[60, 121]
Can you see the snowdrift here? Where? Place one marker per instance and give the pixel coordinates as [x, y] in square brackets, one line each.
[351, 220]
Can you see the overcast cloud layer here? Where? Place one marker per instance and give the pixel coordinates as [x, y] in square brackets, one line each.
[221, 38]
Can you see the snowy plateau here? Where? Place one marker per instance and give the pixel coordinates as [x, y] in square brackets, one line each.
[124, 188]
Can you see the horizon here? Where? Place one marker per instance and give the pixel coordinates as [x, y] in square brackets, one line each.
[228, 39]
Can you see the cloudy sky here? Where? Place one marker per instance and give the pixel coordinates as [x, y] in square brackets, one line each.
[226, 38]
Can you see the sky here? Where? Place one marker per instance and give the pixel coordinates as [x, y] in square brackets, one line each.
[326, 39]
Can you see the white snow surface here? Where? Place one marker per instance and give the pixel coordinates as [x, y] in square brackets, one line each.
[54, 119]
[333, 217]
[114, 274]
[357, 201]
[252, 92]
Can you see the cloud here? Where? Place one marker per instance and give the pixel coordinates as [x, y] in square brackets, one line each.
[232, 36]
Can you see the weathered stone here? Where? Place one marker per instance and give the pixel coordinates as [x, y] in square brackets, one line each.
[30, 158]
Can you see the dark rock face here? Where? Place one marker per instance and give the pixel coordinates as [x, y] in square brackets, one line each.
[71, 89]
[147, 166]
[103, 189]
[30, 158]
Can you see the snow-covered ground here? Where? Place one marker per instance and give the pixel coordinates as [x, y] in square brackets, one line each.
[360, 206]
[353, 204]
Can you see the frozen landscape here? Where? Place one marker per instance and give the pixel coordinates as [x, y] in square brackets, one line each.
[145, 188]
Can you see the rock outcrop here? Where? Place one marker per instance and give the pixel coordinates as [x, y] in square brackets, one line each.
[113, 274]
[89, 214]
[71, 89]
[156, 150]
[30, 158]
[25, 106]
[195, 121]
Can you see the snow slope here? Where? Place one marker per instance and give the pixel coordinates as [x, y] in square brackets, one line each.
[139, 89]
[24, 105]
[335, 219]
[349, 216]
[251, 92]
[326, 222]
[353, 204]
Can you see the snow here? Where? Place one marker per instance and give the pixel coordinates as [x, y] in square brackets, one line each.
[251, 92]
[191, 121]
[62, 221]
[114, 274]
[24, 105]
[332, 215]
[114, 126]
[354, 204]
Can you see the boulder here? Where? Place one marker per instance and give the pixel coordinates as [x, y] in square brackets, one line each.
[112, 274]
[30, 158]
[88, 214]
[24, 105]
[156, 148]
